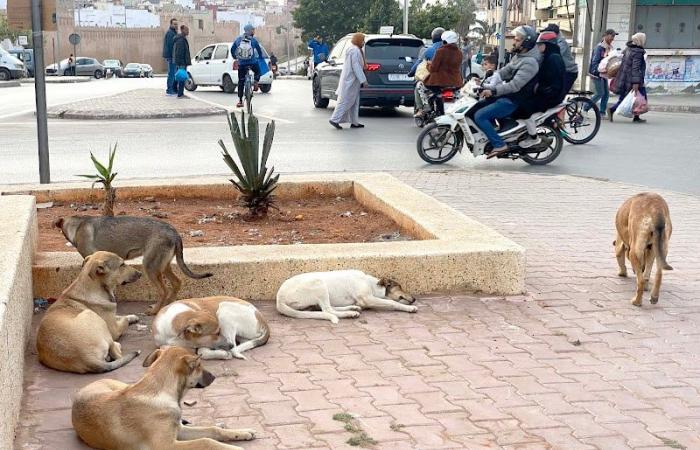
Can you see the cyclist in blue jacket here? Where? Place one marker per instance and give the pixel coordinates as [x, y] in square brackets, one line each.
[247, 52]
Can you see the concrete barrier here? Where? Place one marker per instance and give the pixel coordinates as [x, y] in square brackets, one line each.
[18, 233]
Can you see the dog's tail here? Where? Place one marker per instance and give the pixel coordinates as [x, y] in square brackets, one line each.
[659, 243]
[181, 263]
[104, 366]
[260, 340]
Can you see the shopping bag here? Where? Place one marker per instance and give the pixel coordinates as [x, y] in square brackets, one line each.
[640, 104]
[181, 75]
[422, 71]
[613, 66]
[626, 107]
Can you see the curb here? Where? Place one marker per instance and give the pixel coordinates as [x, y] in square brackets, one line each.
[689, 109]
[118, 115]
[60, 80]
[292, 77]
[11, 83]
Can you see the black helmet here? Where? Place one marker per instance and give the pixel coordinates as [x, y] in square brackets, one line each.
[436, 35]
[529, 36]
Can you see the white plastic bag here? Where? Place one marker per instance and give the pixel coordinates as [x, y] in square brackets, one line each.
[627, 106]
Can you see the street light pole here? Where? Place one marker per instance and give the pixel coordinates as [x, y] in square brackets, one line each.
[502, 40]
[40, 94]
[405, 16]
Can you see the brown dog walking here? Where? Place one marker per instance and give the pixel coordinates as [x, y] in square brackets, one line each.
[644, 229]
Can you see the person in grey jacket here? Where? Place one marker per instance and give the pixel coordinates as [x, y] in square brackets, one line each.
[519, 78]
[569, 61]
[168, 42]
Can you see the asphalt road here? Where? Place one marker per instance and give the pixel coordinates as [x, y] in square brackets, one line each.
[663, 153]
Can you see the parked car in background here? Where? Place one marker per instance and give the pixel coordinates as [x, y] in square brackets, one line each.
[389, 59]
[83, 67]
[26, 55]
[133, 70]
[113, 66]
[147, 70]
[213, 66]
[10, 67]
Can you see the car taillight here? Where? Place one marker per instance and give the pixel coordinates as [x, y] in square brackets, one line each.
[373, 67]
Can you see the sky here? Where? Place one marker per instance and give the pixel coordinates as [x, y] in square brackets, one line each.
[3, 4]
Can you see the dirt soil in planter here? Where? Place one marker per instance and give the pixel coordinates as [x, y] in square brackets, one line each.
[215, 222]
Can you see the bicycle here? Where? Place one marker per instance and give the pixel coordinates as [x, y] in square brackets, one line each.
[575, 119]
[248, 88]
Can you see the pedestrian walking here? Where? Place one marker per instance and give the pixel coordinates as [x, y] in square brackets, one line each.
[631, 74]
[600, 84]
[352, 79]
[466, 58]
[168, 42]
[182, 58]
[569, 61]
[319, 48]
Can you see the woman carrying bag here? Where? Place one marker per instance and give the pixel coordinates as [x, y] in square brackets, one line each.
[352, 78]
[631, 75]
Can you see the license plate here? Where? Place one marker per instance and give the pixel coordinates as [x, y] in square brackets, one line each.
[399, 77]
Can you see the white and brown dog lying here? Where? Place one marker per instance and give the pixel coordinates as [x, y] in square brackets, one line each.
[79, 332]
[644, 228]
[218, 327]
[112, 415]
[340, 294]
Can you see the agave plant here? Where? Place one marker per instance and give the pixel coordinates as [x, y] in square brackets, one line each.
[254, 181]
[105, 177]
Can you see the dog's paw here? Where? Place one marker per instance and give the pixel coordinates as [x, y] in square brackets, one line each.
[132, 318]
[354, 314]
[245, 434]
[622, 274]
[151, 310]
[412, 309]
[654, 300]
[354, 308]
[335, 320]
[636, 302]
[238, 355]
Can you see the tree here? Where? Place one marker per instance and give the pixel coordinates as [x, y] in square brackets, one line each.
[332, 19]
[485, 31]
[381, 13]
[455, 15]
[8, 33]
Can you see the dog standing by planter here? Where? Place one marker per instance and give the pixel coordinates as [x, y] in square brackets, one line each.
[79, 332]
[112, 415]
[340, 294]
[644, 229]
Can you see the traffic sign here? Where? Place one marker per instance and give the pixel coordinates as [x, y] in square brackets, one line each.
[74, 39]
[23, 40]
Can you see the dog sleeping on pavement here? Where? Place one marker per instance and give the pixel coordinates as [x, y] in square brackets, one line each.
[131, 237]
[78, 333]
[218, 327]
[147, 415]
[644, 229]
[340, 294]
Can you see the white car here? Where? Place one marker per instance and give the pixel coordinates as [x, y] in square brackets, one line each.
[213, 66]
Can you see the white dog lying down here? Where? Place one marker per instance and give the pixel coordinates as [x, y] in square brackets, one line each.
[340, 293]
[218, 327]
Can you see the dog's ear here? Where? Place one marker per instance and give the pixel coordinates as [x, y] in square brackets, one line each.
[58, 223]
[386, 282]
[87, 258]
[615, 242]
[150, 359]
[100, 270]
[192, 361]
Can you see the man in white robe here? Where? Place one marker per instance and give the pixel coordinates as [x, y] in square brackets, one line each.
[352, 78]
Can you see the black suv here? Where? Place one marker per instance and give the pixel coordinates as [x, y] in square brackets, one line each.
[389, 59]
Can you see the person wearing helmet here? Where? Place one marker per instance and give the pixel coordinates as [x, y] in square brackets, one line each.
[246, 52]
[519, 77]
[445, 69]
[550, 89]
[425, 54]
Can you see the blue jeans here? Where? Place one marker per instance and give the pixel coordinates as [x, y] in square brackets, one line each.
[503, 107]
[172, 68]
[602, 93]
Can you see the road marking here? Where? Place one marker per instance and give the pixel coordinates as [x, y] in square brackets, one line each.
[233, 108]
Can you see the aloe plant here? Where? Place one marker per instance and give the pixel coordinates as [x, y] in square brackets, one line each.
[254, 181]
[105, 176]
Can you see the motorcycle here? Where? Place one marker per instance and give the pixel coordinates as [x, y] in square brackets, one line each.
[440, 141]
[275, 72]
[427, 113]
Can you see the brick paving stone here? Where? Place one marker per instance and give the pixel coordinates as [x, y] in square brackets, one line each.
[311, 400]
[279, 413]
[380, 428]
[609, 442]
[430, 437]
[584, 425]
[295, 436]
[386, 395]
[264, 392]
[604, 412]
[409, 414]
[561, 438]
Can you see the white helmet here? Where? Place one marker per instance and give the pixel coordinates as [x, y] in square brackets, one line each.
[450, 37]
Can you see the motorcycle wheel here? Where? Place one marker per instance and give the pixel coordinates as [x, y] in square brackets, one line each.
[438, 144]
[544, 156]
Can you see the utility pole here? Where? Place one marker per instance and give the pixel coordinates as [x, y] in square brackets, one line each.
[405, 16]
[289, 53]
[502, 40]
[40, 94]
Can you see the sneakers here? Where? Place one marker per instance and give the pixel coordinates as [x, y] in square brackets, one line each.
[498, 151]
[239, 104]
[638, 119]
[530, 141]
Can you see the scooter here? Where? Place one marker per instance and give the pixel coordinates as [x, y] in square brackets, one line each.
[427, 114]
[440, 141]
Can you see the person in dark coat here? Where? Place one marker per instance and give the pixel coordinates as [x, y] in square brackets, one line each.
[168, 42]
[181, 56]
[631, 74]
[445, 69]
[550, 89]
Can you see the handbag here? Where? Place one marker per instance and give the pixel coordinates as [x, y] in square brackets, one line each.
[641, 105]
[422, 71]
[181, 75]
[626, 108]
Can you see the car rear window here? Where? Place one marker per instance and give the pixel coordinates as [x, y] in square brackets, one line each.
[392, 48]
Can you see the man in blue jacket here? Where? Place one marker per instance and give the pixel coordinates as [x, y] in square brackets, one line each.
[425, 54]
[319, 48]
[247, 53]
[168, 42]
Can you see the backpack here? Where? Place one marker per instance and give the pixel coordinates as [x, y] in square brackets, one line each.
[245, 50]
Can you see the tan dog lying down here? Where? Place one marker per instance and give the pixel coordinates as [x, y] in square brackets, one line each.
[339, 294]
[213, 325]
[644, 228]
[112, 415]
[79, 331]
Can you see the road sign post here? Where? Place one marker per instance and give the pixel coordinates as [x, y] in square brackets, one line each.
[40, 94]
[74, 39]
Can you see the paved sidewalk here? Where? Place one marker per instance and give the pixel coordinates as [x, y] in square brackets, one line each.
[571, 365]
[135, 104]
